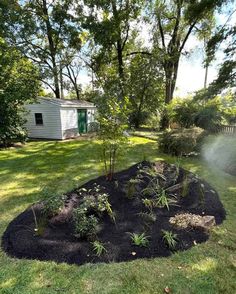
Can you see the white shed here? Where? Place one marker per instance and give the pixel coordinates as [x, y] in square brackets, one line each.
[50, 118]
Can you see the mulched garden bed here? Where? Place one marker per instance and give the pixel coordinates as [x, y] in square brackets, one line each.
[55, 238]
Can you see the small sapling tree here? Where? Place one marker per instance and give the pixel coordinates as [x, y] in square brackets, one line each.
[112, 119]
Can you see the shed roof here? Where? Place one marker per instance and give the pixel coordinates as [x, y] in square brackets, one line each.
[67, 103]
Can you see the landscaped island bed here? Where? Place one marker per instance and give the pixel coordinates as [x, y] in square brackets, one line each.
[148, 210]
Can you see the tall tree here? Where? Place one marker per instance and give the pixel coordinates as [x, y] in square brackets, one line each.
[175, 21]
[109, 22]
[144, 87]
[46, 31]
[18, 84]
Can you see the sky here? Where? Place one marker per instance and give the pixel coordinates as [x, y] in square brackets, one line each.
[191, 72]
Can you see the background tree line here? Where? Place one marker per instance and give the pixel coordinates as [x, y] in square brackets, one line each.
[61, 38]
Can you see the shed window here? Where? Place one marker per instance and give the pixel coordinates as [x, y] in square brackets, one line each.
[38, 119]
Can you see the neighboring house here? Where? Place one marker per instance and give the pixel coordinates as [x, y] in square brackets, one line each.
[50, 118]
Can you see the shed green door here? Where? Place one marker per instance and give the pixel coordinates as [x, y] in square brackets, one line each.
[82, 121]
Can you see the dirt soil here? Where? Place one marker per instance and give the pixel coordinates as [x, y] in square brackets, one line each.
[57, 241]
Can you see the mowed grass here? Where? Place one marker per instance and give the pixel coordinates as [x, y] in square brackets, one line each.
[206, 268]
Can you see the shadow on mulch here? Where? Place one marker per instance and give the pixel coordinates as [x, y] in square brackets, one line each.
[58, 242]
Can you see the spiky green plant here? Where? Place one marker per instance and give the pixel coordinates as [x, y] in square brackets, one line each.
[99, 248]
[140, 240]
[170, 239]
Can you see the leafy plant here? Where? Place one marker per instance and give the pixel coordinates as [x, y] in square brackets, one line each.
[185, 188]
[163, 200]
[148, 203]
[170, 239]
[151, 172]
[84, 226]
[52, 203]
[98, 247]
[140, 240]
[182, 141]
[112, 126]
[131, 187]
[152, 189]
[95, 200]
[148, 217]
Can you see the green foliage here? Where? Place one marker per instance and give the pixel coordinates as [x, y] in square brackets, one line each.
[140, 240]
[209, 115]
[163, 200]
[52, 202]
[148, 217]
[18, 85]
[148, 203]
[170, 239]
[99, 248]
[185, 188]
[85, 226]
[204, 114]
[95, 200]
[49, 33]
[112, 118]
[182, 112]
[93, 127]
[175, 22]
[131, 187]
[145, 88]
[181, 141]
[153, 120]
[224, 39]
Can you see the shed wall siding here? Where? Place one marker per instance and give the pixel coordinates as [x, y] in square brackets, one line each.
[90, 115]
[69, 122]
[51, 128]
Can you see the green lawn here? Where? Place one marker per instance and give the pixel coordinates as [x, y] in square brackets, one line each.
[206, 268]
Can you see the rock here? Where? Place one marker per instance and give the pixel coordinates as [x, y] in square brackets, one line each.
[189, 220]
[209, 221]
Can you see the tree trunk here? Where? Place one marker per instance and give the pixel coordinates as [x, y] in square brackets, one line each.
[52, 49]
[171, 71]
[77, 91]
[61, 83]
[120, 61]
[206, 75]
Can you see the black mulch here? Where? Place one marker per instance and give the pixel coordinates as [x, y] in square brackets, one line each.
[59, 244]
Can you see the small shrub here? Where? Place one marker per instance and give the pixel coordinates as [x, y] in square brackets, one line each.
[95, 200]
[85, 226]
[140, 240]
[148, 203]
[182, 141]
[53, 203]
[148, 217]
[98, 247]
[93, 127]
[131, 187]
[163, 200]
[170, 239]
[185, 188]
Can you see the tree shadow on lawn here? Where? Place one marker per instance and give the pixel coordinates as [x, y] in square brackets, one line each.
[24, 275]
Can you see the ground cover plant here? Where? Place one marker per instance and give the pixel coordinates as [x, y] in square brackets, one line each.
[100, 210]
[205, 268]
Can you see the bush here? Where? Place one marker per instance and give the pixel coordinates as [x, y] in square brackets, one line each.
[93, 127]
[183, 112]
[182, 141]
[85, 225]
[153, 120]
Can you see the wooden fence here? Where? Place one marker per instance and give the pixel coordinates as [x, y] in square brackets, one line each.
[230, 130]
